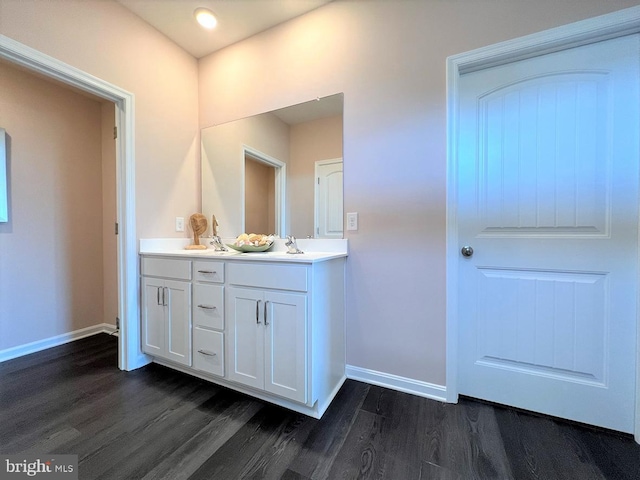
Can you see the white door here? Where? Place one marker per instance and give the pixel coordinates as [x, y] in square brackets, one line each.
[548, 200]
[328, 199]
[286, 345]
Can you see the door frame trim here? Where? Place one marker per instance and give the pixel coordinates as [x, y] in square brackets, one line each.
[280, 187]
[605, 27]
[130, 355]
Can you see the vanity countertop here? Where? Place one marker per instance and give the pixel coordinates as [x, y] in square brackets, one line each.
[315, 250]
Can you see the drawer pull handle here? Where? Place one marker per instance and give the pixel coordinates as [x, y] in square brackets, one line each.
[208, 354]
[207, 272]
[265, 313]
[258, 302]
[207, 307]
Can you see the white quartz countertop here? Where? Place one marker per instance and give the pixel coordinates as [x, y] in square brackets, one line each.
[315, 250]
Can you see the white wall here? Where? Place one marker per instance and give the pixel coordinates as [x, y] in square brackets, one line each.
[388, 57]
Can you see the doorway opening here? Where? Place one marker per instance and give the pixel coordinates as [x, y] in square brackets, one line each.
[129, 354]
[264, 195]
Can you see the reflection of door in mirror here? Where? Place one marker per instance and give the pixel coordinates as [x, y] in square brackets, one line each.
[259, 196]
[329, 217]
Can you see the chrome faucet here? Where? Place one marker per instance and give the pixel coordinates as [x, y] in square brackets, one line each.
[292, 246]
[217, 244]
[215, 241]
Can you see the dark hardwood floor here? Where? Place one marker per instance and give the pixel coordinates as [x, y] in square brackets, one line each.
[155, 423]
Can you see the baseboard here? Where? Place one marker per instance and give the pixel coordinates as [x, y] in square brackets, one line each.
[395, 382]
[20, 350]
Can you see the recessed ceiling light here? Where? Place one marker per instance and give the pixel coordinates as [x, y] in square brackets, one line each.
[205, 17]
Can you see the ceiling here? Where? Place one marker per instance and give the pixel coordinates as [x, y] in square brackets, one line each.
[237, 19]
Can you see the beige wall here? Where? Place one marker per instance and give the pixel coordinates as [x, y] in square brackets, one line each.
[106, 40]
[388, 57]
[51, 272]
[309, 142]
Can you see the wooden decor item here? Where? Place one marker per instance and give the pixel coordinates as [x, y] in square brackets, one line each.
[198, 223]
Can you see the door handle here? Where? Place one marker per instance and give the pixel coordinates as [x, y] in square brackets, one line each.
[466, 251]
[265, 313]
[164, 301]
[158, 295]
[258, 302]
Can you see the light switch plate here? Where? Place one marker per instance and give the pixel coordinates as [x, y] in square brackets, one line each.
[352, 221]
[179, 224]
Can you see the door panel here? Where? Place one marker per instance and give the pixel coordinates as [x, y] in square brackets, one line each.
[548, 199]
[286, 341]
[178, 304]
[246, 337]
[153, 337]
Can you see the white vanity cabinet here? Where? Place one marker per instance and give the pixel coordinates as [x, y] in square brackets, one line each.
[270, 326]
[166, 309]
[208, 317]
[268, 332]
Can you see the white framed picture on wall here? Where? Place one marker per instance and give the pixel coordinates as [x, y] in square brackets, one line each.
[4, 208]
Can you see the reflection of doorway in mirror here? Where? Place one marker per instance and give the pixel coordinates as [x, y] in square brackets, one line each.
[263, 192]
[329, 216]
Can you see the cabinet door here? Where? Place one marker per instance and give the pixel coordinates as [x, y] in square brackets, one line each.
[153, 331]
[178, 321]
[286, 345]
[246, 336]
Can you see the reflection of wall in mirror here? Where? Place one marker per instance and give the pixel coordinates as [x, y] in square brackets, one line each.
[223, 165]
[259, 197]
[310, 142]
[299, 146]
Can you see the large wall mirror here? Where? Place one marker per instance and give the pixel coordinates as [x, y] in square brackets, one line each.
[278, 172]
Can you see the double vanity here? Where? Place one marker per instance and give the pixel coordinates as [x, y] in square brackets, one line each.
[271, 325]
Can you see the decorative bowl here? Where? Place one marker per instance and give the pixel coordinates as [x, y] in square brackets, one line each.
[250, 248]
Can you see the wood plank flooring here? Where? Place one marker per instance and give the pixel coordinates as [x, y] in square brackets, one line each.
[155, 423]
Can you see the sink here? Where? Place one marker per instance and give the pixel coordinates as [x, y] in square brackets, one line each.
[215, 253]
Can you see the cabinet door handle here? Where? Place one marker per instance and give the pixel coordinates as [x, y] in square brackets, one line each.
[265, 313]
[209, 354]
[207, 307]
[258, 302]
[207, 272]
[158, 295]
[164, 301]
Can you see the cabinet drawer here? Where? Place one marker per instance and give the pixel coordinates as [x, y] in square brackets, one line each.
[208, 351]
[282, 277]
[166, 267]
[208, 271]
[208, 306]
